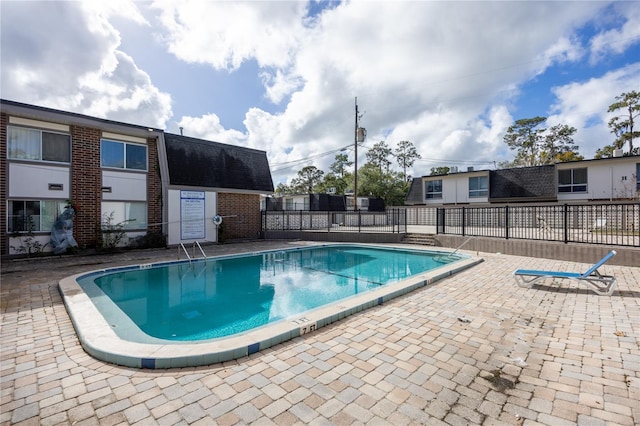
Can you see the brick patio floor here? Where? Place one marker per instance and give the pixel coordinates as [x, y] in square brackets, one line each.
[471, 349]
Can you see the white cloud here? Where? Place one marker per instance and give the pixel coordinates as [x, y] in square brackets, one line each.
[617, 40]
[425, 71]
[564, 50]
[208, 127]
[584, 106]
[65, 55]
[98, 11]
[224, 34]
[121, 91]
[444, 75]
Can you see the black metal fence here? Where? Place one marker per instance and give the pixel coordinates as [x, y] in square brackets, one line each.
[612, 224]
[391, 221]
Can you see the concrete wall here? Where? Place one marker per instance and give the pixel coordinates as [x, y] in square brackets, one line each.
[350, 237]
[174, 218]
[586, 253]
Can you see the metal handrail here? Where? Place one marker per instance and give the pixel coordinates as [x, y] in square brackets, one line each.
[185, 252]
[195, 243]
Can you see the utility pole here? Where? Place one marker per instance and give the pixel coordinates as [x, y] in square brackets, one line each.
[359, 134]
[355, 175]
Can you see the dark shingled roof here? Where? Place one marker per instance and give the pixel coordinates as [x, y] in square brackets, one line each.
[523, 184]
[415, 196]
[197, 162]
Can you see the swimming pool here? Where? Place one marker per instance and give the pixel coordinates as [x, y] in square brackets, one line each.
[182, 313]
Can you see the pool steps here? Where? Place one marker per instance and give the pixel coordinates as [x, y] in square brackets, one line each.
[193, 251]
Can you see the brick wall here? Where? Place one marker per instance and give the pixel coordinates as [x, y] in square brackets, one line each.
[242, 213]
[154, 187]
[86, 184]
[4, 241]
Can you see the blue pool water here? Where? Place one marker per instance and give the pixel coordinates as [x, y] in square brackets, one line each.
[219, 297]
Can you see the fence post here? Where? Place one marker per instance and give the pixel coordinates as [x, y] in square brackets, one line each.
[506, 222]
[358, 218]
[463, 220]
[283, 220]
[405, 220]
[396, 220]
[328, 221]
[440, 220]
[301, 220]
[565, 219]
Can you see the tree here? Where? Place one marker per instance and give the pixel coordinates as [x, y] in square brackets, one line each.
[568, 156]
[307, 179]
[536, 145]
[435, 171]
[558, 145]
[622, 125]
[341, 165]
[379, 155]
[389, 186]
[339, 178]
[406, 154]
[282, 189]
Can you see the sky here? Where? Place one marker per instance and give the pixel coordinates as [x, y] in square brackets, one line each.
[284, 76]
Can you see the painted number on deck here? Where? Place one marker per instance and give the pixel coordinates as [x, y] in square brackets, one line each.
[306, 327]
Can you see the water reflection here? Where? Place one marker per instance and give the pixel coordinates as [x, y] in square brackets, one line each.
[217, 298]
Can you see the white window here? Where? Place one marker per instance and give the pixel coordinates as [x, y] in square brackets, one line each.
[38, 145]
[572, 180]
[123, 155]
[127, 215]
[289, 204]
[478, 186]
[433, 189]
[33, 215]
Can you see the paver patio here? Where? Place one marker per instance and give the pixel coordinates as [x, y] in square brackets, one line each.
[471, 349]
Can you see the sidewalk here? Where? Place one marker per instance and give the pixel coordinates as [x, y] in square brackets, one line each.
[471, 349]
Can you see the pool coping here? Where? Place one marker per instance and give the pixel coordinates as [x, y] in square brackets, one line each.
[100, 341]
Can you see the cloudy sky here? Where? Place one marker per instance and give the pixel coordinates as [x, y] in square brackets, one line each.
[283, 76]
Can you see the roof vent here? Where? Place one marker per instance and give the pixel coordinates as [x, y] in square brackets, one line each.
[618, 152]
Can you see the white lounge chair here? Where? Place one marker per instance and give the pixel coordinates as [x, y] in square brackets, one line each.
[599, 284]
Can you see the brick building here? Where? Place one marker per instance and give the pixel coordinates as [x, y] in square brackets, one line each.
[118, 173]
[207, 179]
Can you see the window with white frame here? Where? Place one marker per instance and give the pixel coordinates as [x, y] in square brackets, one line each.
[572, 180]
[433, 189]
[289, 204]
[38, 145]
[123, 155]
[33, 215]
[478, 186]
[124, 215]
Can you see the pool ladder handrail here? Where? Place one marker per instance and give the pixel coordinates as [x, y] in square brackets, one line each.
[193, 250]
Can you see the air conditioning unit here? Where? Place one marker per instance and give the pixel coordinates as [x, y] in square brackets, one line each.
[618, 152]
[453, 169]
[470, 168]
[331, 190]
